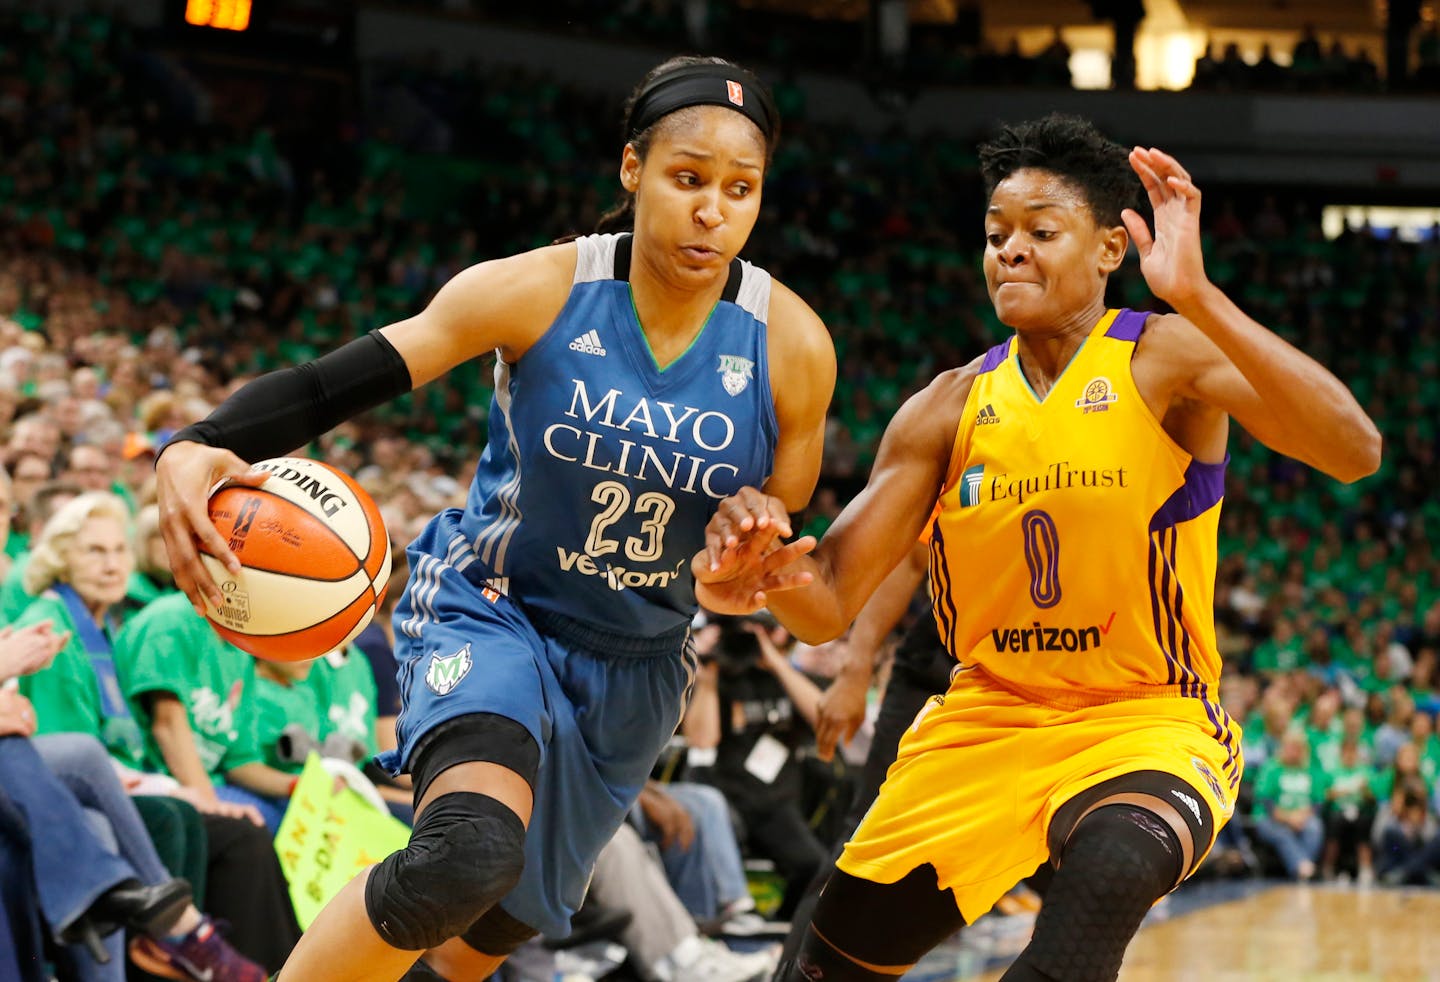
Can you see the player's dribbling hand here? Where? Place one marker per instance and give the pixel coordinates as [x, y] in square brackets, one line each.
[184, 477]
[1171, 258]
[744, 555]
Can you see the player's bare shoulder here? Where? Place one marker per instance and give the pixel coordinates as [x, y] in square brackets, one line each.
[796, 331]
[517, 297]
[802, 353]
[947, 393]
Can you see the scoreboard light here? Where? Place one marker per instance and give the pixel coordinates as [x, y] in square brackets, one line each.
[225, 15]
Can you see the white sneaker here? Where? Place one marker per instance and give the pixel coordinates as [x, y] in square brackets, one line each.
[750, 925]
[699, 959]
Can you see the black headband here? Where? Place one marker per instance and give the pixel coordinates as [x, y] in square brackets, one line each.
[703, 85]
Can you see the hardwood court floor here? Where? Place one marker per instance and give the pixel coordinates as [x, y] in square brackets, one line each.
[1281, 933]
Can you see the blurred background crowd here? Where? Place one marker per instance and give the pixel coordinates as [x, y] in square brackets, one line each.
[164, 236]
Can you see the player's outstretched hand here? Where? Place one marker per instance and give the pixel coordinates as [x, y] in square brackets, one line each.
[1170, 259]
[744, 555]
[746, 523]
[184, 477]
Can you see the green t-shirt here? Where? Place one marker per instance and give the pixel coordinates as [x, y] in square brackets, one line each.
[1271, 656]
[167, 647]
[1285, 788]
[1351, 784]
[67, 694]
[280, 705]
[13, 598]
[337, 696]
[344, 687]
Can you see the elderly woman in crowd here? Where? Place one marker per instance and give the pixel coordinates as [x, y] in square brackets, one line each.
[77, 574]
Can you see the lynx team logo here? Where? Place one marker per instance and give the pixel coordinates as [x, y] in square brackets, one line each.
[735, 373]
[445, 673]
[1098, 396]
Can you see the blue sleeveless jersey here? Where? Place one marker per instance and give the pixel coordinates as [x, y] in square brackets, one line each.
[602, 470]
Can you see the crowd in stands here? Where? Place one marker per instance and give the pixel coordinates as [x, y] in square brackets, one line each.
[149, 260]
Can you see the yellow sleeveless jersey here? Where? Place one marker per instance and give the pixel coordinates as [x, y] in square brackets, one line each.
[1073, 555]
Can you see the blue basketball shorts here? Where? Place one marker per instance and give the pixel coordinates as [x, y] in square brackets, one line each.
[600, 710]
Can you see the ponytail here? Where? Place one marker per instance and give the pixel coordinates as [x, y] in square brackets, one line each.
[621, 218]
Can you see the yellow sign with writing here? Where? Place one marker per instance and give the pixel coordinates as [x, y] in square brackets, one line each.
[326, 838]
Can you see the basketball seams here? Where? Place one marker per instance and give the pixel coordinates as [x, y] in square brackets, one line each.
[316, 526]
[287, 531]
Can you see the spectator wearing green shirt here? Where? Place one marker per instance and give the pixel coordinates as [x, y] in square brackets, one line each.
[325, 705]
[1349, 812]
[78, 571]
[45, 501]
[1281, 652]
[1288, 793]
[194, 696]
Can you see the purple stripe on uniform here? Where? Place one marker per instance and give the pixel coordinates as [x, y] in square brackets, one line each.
[1203, 488]
[1128, 325]
[995, 357]
[1174, 557]
[1171, 665]
[1222, 731]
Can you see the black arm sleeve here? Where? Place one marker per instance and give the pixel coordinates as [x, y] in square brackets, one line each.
[282, 411]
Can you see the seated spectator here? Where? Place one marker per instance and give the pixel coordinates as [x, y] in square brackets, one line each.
[1395, 732]
[194, 695]
[661, 936]
[1406, 838]
[756, 710]
[326, 706]
[47, 500]
[690, 824]
[79, 569]
[1348, 812]
[1288, 794]
[22, 946]
[72, 867]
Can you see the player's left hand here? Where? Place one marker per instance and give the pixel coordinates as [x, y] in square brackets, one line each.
[744, 555]
[1170, 259]
[741, 585]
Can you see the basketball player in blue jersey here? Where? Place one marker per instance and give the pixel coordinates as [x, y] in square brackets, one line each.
[543, 636]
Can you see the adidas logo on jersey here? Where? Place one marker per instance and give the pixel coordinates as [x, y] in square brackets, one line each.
[588, 344]
[986, 416]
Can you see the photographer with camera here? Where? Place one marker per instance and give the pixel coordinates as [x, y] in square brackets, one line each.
[756, 709]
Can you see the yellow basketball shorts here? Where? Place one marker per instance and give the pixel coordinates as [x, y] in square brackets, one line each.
[983, 770]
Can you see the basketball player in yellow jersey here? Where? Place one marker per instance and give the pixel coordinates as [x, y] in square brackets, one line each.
[1079, 468]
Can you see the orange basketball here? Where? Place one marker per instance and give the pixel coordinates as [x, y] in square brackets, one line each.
[315, 558]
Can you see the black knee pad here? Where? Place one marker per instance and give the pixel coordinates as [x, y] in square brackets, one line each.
[497, 933]
[816, 961]
[1116, 863]
[465, 853]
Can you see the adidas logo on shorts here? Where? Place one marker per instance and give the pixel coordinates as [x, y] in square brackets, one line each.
[588, 344]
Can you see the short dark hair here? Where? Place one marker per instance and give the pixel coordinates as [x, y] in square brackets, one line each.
[1072, 148]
